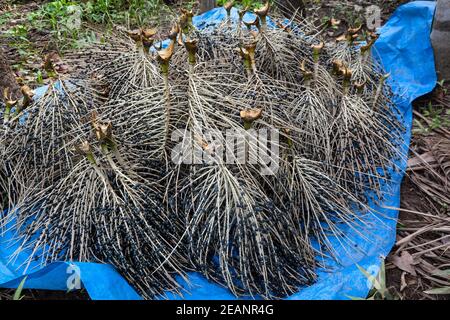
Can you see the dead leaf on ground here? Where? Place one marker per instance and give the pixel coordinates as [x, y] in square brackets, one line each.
[403, 283]
[404, 262]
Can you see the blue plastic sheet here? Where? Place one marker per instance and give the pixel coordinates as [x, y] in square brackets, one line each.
[404, 49]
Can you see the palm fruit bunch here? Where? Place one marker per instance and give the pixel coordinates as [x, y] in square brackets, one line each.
[129, 161]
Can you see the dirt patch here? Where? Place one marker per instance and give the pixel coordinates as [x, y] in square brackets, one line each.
[423, 230]
[404, 284]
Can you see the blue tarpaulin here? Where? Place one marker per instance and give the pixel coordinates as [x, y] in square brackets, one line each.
[404, 49]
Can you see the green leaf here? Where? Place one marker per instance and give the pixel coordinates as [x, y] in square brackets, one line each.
[444, 290]
[18, 293]
[382, 277]
[371, 278]
[442, 273]
[355, 298]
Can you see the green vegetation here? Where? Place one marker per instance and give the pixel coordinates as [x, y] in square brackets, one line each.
[18, 35]
[438, 117]
[18, 292]
[244, 3]
[18, 39]
[442, 290]
[65, 19]
[4, 18]
[379, 290]
[62, 19]
[135, 12]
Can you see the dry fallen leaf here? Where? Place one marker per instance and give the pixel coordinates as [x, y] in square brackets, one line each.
[403, 283]
[404, 262]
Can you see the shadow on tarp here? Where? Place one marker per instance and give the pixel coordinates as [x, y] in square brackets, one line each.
[404, 49]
